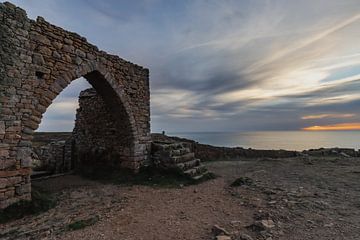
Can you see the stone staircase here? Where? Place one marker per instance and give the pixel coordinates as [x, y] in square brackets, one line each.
[177, 156]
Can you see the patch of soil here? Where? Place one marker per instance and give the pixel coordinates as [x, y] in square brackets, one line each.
[287, 199]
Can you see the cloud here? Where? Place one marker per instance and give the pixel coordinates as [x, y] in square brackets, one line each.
[227, 65]
[60, 115]
[304, 43]
[320, 116]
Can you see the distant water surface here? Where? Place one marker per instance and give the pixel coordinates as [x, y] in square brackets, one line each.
[289, 140]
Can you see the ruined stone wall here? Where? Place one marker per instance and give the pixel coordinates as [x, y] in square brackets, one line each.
[100, 140]
[37, 61]
[54, 157]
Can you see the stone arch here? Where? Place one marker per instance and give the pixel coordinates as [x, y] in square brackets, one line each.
[37, 61]
[112, 93]
[102, 81]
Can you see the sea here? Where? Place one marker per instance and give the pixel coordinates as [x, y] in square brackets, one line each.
[287, 140]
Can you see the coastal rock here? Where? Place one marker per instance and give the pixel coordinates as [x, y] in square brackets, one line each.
[266, 224]
[209, 153]
[344, 155]
[223, 237]
[262, 225]
[244, 237]
[217, 230]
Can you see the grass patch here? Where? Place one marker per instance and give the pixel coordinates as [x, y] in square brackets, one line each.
[241, 181]
[41, 202]
[80, 224]
[147, 176]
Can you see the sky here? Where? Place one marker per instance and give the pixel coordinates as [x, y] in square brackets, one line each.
[248, 65]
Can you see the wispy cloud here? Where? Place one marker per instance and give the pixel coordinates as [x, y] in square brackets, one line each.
[321, 116]
[302, 43]
[239, 65]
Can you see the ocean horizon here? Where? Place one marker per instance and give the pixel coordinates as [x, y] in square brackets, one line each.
[287, 140]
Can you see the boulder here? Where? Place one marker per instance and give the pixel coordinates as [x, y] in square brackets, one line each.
[217, 230]
[223, 237]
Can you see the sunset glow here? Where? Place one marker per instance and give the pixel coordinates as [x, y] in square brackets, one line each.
[321, 116]
[334, 127]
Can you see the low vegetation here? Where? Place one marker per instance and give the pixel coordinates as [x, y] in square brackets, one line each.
[80, 224]
[241, 181]
[147, 176]
[41, 202]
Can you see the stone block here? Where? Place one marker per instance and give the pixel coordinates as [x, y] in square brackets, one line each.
[3, 182]
[38, 59]
[20, 172]
[25, 196]
[22, 189]
[24, 156]
[56, 55]
[2, 129]
[7, 163]
[25, 58]
[10, 193]
[4, 153]
[68, 48]
[80, 53]
[40, 38]
[68, 41]
[45, 51]
[14, 180]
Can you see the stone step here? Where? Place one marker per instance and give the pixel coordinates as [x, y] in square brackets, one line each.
[171, 146]
[172, 153]
[199, 176]
[195, 171]
[38, 174]
[188, 165]
[183, 158]
[180, 151]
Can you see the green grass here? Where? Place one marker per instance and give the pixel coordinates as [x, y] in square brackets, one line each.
[41, 202]
[147, 176]
[80, 224]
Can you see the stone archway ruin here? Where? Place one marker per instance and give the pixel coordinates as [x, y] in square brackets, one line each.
[37, 61]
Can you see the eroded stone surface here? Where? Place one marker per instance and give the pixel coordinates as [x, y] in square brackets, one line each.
[37, 61]
[100, 140]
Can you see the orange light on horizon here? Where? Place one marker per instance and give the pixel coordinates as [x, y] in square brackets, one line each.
[334, 127]
[320, 116]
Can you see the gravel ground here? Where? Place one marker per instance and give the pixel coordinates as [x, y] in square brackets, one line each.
[278, 199]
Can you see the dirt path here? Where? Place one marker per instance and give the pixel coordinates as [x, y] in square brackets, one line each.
[297, 199]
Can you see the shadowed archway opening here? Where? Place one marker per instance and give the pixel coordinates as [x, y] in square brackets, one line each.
[103, 134]
[102, 137]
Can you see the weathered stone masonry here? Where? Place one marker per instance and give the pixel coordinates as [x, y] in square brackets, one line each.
[101, 141]
[37, 61]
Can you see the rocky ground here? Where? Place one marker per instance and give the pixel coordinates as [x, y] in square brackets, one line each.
[296, 198]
